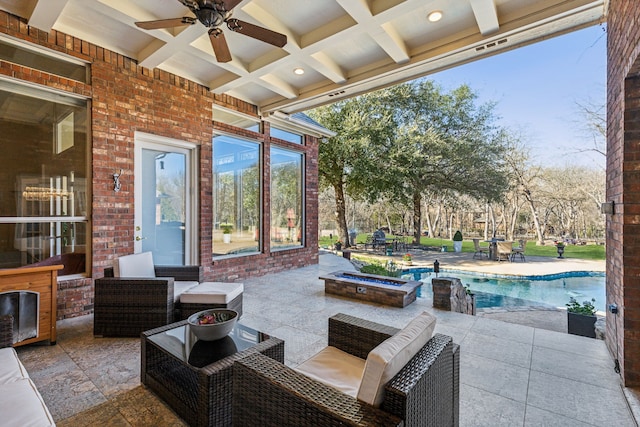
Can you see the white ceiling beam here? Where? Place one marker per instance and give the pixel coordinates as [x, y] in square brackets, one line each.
[271, 22]
[46, 13]
[319, 62]
[486, 16]
[154, 54]
[389, 40]
[322, 63]
[383, 34]
[279, 86]
[358, 9]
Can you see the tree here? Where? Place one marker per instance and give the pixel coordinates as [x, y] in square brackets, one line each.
[443, 141]
[351, 161]
[595, 124]
[525, 179]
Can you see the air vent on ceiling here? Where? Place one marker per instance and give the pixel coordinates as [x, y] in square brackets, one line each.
[490, 45]
[337, 93]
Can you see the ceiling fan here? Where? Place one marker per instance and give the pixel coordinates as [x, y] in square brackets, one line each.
[212, 14]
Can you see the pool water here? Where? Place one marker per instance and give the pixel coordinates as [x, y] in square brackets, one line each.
[501, 291]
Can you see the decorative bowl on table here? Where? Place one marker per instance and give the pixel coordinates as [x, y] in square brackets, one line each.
[214, 324]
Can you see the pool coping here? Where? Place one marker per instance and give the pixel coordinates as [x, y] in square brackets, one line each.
[551, 276]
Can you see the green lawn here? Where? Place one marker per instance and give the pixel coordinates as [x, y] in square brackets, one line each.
[593, 252]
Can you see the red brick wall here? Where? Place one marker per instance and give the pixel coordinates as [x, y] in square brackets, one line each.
[623, 186]
[127, 98]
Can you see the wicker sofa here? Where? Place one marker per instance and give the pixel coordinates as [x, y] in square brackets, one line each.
[425, 392]
[20, 402]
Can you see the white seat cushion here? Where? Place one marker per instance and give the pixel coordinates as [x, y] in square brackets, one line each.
[182, 286]
[212, 293]
[21, 405]
[388, 358]
[136, 265]
[11, 369]
[334, 368]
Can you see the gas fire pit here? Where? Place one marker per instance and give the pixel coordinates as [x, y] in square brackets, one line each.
[390, 291]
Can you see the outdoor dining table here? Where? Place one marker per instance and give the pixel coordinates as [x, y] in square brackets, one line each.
[493, 248]
[397, 243]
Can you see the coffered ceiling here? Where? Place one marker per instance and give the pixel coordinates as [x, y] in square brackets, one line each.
[345, 47]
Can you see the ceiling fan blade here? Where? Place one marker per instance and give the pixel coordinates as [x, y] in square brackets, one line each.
[230, 4]
[257, 32]
[219, 44]
[166, 23]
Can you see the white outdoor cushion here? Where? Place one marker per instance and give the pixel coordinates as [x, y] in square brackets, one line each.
[11, 369]
[21, 405]
[136, 265]
[180, 287]
[388, 358]
[334, 368]
[212, 293]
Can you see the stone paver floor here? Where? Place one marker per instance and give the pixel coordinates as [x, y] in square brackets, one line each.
[511, 374]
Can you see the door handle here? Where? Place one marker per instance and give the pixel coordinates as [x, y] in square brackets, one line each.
[138, 238]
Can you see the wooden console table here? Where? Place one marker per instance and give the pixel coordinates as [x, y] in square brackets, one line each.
[43, 280]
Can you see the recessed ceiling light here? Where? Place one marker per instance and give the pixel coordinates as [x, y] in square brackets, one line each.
[434, 16]
[299, 71]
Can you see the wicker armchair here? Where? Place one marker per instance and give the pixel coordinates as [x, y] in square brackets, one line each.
[424, 393]
[125, 306]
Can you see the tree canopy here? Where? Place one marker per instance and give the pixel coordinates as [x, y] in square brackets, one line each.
[402, 142]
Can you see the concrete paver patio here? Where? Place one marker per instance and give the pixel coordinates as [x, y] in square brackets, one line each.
[511, 374]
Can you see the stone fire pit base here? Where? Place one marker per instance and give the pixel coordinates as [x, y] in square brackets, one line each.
[371, 287]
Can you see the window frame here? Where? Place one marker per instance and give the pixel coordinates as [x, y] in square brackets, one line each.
[302, 183]
[55, 194]
[260, 164]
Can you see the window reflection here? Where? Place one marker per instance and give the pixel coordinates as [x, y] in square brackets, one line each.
[43, 188]
[286, 199]
[236, 196]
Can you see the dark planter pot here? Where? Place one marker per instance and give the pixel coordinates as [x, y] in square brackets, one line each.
[337, 246]
[581, 324]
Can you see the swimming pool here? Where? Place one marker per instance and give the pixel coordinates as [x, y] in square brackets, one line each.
[502, 290]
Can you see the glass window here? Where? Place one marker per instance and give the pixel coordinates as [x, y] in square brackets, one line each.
[21, 55]
[286, 135]
[43, 184]
[286, 199]
[236, 196]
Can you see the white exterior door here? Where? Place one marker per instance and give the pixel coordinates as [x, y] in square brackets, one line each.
[165, 202]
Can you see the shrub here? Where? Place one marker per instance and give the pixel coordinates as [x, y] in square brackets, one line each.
[457, 237]
[586, 307]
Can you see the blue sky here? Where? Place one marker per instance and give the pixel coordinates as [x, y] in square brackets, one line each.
[536, 89]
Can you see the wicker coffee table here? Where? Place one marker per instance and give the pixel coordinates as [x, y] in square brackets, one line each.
[194, 377]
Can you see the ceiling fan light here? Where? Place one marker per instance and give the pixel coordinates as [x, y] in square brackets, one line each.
[299, 71]
[434, 16]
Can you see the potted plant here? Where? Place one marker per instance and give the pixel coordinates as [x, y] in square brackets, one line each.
[581, 318]
[226, 233]
[457, 241]
[560, 249]
[337, 245]
[407, 259]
